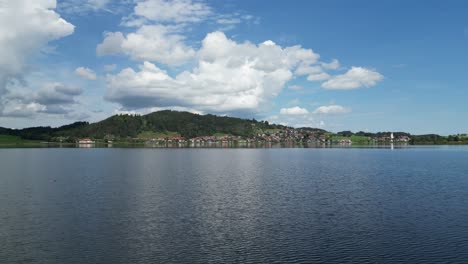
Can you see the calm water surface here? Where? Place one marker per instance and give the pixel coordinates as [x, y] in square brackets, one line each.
[234, 205]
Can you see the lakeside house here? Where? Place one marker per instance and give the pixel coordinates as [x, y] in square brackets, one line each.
[85, 141]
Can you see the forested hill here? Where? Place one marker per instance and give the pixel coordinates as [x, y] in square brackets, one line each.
[165, 122]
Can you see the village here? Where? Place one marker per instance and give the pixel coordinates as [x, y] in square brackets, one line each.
[288, 135]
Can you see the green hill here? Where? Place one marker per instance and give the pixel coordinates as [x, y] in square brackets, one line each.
[157, 124]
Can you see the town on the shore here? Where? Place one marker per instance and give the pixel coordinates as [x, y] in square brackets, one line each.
[287, 135]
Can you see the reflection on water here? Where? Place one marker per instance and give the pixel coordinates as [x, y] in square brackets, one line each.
[151, 144]
[85, 145]
[234, 205]
[219, 144]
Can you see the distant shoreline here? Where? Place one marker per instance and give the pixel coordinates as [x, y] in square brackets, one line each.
[257, 145]
[173, 127]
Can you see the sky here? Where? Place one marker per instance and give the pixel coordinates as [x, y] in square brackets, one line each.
[337, 65]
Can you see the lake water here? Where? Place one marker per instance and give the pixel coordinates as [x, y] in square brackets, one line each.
[234, 205]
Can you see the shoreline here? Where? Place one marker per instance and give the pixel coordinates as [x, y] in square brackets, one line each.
[258, 145]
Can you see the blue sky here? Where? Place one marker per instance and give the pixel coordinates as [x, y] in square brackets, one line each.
[338, 65]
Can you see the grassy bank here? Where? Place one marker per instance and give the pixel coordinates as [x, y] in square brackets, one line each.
[7, 140]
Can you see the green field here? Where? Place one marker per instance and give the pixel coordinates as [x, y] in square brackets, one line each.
[354, 139]
[7, 140]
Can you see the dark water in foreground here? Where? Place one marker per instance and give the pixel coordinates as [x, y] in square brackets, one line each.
[234, 205]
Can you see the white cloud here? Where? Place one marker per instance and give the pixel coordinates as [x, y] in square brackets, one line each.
[266, 56]
[26, 26]
[306, 69]
[332, 109]
[354, 78]
[314, 72]
[111, 45]
[23, 110]
[333, 65]
[173, 11]
[158, 36]
[318, 77]
[229, 77]
[296, 110]
[297, 55]
[57, 94]
[155, 43]
[161, 27]
[86, 73]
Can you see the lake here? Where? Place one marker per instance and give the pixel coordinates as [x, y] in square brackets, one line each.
[275, 205]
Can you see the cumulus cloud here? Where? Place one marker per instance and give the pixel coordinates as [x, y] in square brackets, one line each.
[232, 76]
[111, 45]
[306, 69]
[51, 98]
[56, 94]
[296, 110]
[314, 72]
[23, 110]
[26, 26]
[229, 76]
[354, 78]
[86, 73]
[318, 77]
[157, 43]
[333, 65]
[332, 109]
[161, 27]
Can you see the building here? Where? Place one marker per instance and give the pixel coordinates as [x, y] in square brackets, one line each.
[85, 141]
